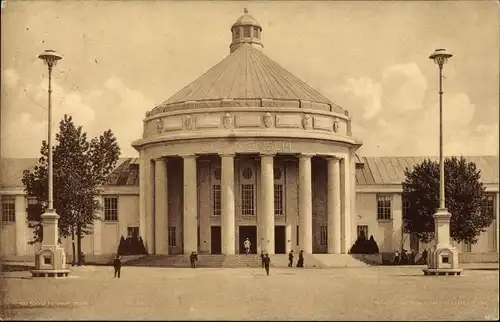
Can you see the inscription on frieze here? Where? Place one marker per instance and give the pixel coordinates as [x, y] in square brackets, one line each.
[248, 146]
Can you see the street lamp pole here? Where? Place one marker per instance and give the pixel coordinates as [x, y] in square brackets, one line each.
[444, 257]
[50, 58]
[50, 259]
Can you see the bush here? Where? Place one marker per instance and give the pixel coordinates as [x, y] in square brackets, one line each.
[131, 246]
[372, 246]
[364, 246]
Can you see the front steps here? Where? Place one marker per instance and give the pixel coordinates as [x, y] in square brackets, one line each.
[253, 261]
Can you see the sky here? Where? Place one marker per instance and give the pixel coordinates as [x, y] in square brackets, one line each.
[122, 58]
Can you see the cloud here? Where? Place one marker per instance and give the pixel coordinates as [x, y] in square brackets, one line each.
[113, 106]
[10, 77]
[400, 116]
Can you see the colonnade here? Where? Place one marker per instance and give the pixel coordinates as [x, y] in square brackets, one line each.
[154, 205]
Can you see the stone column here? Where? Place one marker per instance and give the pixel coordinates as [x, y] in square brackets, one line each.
[227, 205]
[190, 205]
[345, 186]
[305, 203]
[204, 204]
[146, 202]
[497, 217]
[161, 207]
[334, 229]
[397, 221]
[21, 224]
[97, 231]
[267, 200]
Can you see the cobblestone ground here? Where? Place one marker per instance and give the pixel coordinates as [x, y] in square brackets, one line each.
[375, 293]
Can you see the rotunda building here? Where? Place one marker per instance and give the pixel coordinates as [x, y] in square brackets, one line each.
[247, 150]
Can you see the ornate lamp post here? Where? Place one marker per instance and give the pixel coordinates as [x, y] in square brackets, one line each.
[50, 260]
[443, 259]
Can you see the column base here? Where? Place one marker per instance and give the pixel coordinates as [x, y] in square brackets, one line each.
[50, 261]
[443, 260]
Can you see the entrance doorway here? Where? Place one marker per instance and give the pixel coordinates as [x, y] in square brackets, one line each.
[249, 232]
[279, 239]
[215, 240]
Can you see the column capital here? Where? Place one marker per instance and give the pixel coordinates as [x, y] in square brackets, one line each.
[333, 158]
[187, 155]
[227, 155]
[306, 155]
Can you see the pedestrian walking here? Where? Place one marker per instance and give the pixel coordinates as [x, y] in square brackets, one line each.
[396, 259]
[267, 261]
[247, 244]
[300, 262]
[193, 258]
[117, 264]
[290, 259]
[262, 258]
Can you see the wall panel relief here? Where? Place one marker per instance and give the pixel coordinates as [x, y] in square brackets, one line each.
[204, 121]
[323, 123]
[248, 120]
[172, 123]
[288, 121]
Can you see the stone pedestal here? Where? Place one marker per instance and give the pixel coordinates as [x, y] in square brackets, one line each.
[50, 259]
[443, 259]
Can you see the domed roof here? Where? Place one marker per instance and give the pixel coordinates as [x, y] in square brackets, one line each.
[249, 74]
[245, 20]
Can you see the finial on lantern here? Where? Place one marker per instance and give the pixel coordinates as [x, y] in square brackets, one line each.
[245, 10]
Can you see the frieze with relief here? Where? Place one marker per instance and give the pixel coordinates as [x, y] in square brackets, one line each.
[306, 122]
[268, 120]
[159, 126]
[188, 122]
[336, 125]
[227, 121]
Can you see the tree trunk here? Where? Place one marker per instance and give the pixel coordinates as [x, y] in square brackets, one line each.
[73, 245]
[79, 245]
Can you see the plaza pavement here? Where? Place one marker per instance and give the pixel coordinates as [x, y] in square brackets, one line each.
[373, 293]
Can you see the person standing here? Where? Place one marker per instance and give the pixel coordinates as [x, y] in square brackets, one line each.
[290, 259]
[300, 262]
[247, 244]
[267, 261]
[262, 258]
[193, 258]
[117, 264]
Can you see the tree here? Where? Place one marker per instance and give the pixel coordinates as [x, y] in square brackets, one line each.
[79, 168]
[464, 194]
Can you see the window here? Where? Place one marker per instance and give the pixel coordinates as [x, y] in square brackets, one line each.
[246, 31]
[362, 229]
[278, 199]
[323, 240]
[111, 209]
[247, 199]
[8, 209]
[384, 207]
[34, 211]
[297, 235]
[217, 174]
[247, 173]
[172, 240]
[256, 32]
[489, 205]
[467, 248]
[216, 200]
[406, 206]
[132, 231]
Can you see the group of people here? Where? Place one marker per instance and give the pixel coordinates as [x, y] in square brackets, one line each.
[409, 258]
